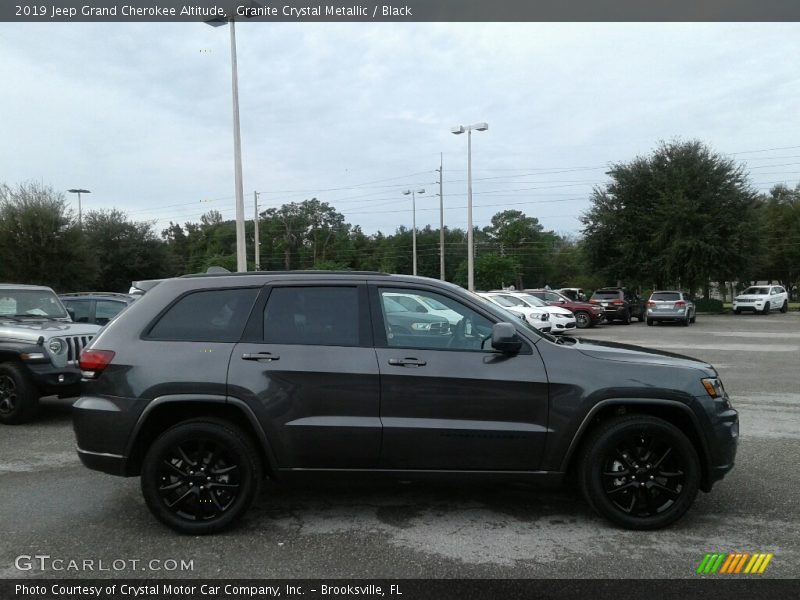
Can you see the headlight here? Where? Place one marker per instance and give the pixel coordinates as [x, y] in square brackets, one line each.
[56, 345]
[421, 326]
[714, 387]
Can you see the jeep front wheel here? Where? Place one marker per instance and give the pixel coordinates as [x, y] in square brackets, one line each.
[639, 472]
[200, 476]
[19, 398]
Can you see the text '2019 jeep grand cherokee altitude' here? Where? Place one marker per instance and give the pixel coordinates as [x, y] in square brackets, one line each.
[209, 383]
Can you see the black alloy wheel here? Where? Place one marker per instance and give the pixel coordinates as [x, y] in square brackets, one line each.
[583, 320]
[640, 472]
[200, 476]
[19, 398]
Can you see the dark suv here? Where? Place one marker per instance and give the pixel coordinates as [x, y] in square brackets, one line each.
[207, 384]
[619, 304]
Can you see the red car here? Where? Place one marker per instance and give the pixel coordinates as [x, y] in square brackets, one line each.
[586, 315]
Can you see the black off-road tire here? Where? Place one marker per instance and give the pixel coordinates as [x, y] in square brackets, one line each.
[19, 397]
[213, 464]
[785, 306]
[608, 478]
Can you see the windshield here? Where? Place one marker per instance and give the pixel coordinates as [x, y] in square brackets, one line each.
[533, 300]
[508, 301]
[30, 303]
[757, 291]
[434, 304]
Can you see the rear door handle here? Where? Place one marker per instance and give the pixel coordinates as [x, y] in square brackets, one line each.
[260, 356]
[407, 362]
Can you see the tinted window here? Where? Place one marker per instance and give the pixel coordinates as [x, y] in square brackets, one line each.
[81, 309]
[207, 316]
[608, 294]
[317, 316]
[668, 296]
[106, 310]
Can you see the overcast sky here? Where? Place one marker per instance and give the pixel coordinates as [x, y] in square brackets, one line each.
[353, 114]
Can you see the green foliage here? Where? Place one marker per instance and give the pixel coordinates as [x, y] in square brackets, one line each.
[40, 242]
[709, 305]
[682, 216]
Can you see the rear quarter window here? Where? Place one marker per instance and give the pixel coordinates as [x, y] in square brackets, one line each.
[206, 316]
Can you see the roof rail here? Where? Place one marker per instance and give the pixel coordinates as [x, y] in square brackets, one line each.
[298, 272]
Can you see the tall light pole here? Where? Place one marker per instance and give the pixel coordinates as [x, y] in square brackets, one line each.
[255, 230]
[79, 192]
[414, 222]
[241, 255]
[470, 242]
[441, 218]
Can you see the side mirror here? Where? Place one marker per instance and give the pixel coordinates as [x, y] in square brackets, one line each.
[505, 338]
[71, 313]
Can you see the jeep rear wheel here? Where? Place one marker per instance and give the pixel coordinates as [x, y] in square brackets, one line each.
[19, 398]
[201, 476]
[639, 472]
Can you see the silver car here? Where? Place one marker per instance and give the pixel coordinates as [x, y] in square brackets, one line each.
[671, 306]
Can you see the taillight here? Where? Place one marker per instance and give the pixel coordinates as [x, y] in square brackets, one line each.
[593, 301]
[651, 304]
[680, 304]
[93, 362]
[618, 302]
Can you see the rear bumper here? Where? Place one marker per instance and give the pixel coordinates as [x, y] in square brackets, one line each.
[113, 464]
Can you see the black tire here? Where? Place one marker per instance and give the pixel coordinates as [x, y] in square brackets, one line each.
[641, 316]
[766, 309]
[175, 489]
[626, 320]
[685, 322]
[650, 322]
[785, 306]
[694, 318]
[738, 311]
[583, 320]
[19, 398]
[623, 448]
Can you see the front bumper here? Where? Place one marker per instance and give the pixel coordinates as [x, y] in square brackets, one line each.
[64, 381]
[755, 306]
[722, 436]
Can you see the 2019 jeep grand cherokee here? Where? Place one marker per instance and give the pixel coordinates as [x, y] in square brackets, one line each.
[209, 383]
[39, 348]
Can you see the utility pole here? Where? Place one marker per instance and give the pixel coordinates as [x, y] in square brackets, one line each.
[255, 229]
[441, 219]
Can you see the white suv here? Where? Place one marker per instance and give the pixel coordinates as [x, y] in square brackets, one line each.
[762, 299]
[536, 317]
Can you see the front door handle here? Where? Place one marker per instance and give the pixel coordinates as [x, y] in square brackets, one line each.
[407, 362]
[260, 356]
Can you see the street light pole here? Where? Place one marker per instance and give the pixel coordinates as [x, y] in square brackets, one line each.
[79, 192]
[470, 234]
[255, 228]
[441, 218]
[414, 224]
[241, 253]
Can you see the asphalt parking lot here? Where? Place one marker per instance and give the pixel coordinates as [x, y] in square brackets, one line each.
[53, 506]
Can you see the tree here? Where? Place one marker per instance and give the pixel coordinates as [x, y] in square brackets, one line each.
[40, 242]
[779, 215]
[682, 216]
[123, 250]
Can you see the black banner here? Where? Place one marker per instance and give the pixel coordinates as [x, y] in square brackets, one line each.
[400, 10]
[731, 588]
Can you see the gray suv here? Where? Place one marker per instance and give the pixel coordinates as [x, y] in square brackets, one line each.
[39, 349]
[208, 384]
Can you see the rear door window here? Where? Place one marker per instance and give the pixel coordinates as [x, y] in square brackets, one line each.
[318, 316]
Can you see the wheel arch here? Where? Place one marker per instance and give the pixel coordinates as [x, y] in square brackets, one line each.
[672, 411]
[167, 411]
